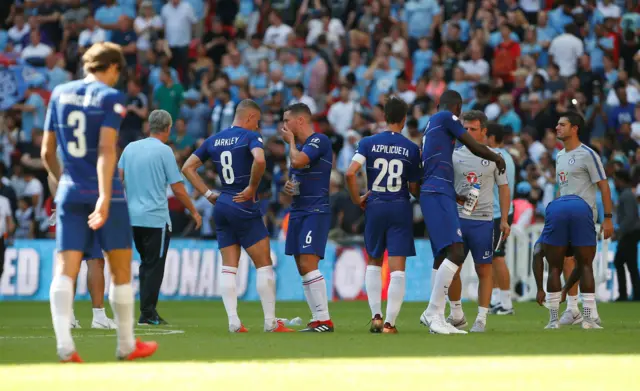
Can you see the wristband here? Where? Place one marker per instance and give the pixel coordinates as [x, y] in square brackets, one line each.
[208, 194]
[608, 215]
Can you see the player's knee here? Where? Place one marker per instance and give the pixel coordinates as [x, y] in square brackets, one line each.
[307, 263]
[96, 265]
[120, 266]
[456, 253]
[374, 261]
[484, 271]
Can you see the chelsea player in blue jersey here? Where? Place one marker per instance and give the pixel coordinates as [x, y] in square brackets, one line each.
[311, 159]
[238, 156]
[438, 202]
[84, 117]
[393, 171]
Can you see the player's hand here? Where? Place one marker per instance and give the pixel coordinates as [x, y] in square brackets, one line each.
[197, 218]
[248, 194]
[505, 229]
[460, 199]
[500, 164]
[52, 218]
[540, 297]
[363, 200]
[289, 188]
[213, 198]
[287, 135]
[606, 228]
[100, 214]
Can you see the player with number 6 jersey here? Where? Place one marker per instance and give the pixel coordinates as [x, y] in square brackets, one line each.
[238, 156]
[392, 165]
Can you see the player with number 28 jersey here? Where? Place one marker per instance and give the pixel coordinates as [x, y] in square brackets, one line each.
[77, 111]
[230, 151]
[391, 161]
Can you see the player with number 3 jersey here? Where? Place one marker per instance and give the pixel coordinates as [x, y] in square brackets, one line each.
[392, 164]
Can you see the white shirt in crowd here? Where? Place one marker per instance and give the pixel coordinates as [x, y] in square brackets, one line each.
[476, 68]
[566, 49]
[408, 96]
[633, 96]
[277, 36]
[90, 37]
[530, 5]
[39, 51]
[177, 23]
[5, 214]
[146, 25]
[341, 114]
[609, 11]
[17, 35]
[334, 32]
[307, 100]
[34, 188]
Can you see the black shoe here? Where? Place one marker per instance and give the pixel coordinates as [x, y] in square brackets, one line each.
[144, 321]
[319, 327]
[162, 321]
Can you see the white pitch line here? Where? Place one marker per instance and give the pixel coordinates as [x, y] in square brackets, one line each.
[139, 331]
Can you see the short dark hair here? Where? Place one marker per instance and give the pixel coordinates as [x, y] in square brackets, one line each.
[412, 123]
[450, 99]
[475, 115]
[101, 56]
[247, 104]
[299, 86]
[574, 119]
[623, 176]
[299, 109]
[395, 111]
[497, 131]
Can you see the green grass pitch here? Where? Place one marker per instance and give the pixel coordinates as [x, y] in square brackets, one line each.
[197, 353]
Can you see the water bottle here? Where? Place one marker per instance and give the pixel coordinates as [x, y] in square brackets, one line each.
[472, 200]
[296, 185]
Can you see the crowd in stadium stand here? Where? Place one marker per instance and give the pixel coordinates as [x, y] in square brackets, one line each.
[522, 62]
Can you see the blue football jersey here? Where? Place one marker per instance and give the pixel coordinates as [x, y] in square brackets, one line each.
[314, 178]
[230, 152]
[77, 111]
[438, 144]
[391, 161]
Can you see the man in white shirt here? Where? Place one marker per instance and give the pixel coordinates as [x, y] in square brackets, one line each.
[566, 49]
[7, 226]
[91, 35]
[34, 190]
[18, 32]
[36, 52]
[277, 32]
[300, 97]
[477, 68]
[178, 18]
[341, 113]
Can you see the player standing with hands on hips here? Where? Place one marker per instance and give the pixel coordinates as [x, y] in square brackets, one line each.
[474, 174]
[393, 171]
[570, 223]
[84, 117]
[438, 202]
[311, 159]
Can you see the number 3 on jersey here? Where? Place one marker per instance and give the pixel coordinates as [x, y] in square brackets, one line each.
[77, 121]
[226, 161]
[392, 168]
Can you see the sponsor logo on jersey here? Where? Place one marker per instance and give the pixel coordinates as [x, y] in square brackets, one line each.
[472, 177]
[562, 178]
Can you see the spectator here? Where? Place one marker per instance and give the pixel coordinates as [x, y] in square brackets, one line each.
[195, 114]
[255, 53]
[237, 73]
[315, 73]
[178, 19]
[57, 75]
[223, 112]
[137, 111]
[147, 27]
[33, 110]
[168, 96]
[18, 34]
[628, 236]
[348, 150]
[215, 42]
[566, 49]
[181, 142]
[508, 116]
[276, 34]
[34, 191]
[623, 113]
[91, 35]
[506, 57]
[422, 59]
[25, 220]
[107, 17]
[299, 97]
[36, 52]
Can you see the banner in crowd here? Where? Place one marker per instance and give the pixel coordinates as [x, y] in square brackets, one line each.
[14, 81]
[193, 272]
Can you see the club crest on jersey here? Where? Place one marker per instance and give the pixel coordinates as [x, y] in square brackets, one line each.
[485, 162]
[572, 161]
[119, 109]
[562, 177]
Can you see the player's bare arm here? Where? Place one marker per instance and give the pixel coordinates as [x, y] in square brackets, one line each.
[352, 185]
[190, 171]
[106, 166]
[298, 159]
[504, 195]
[538, 271]
[181, 193]
[257, 171]
[607, 225]
[483, 151]
[49, 157]
[414, 189]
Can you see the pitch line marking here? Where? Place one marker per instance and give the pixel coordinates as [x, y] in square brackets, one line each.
[139, 331]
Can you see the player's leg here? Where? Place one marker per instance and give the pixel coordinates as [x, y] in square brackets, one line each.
[441, 217]
[115, 239]
[572, 314]
[255, 239]
[555, 260]
[501, 295]
[456, 317]
[312, 239]
[72, 237]
[95, 283]
[583, 240]
[375, 242]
